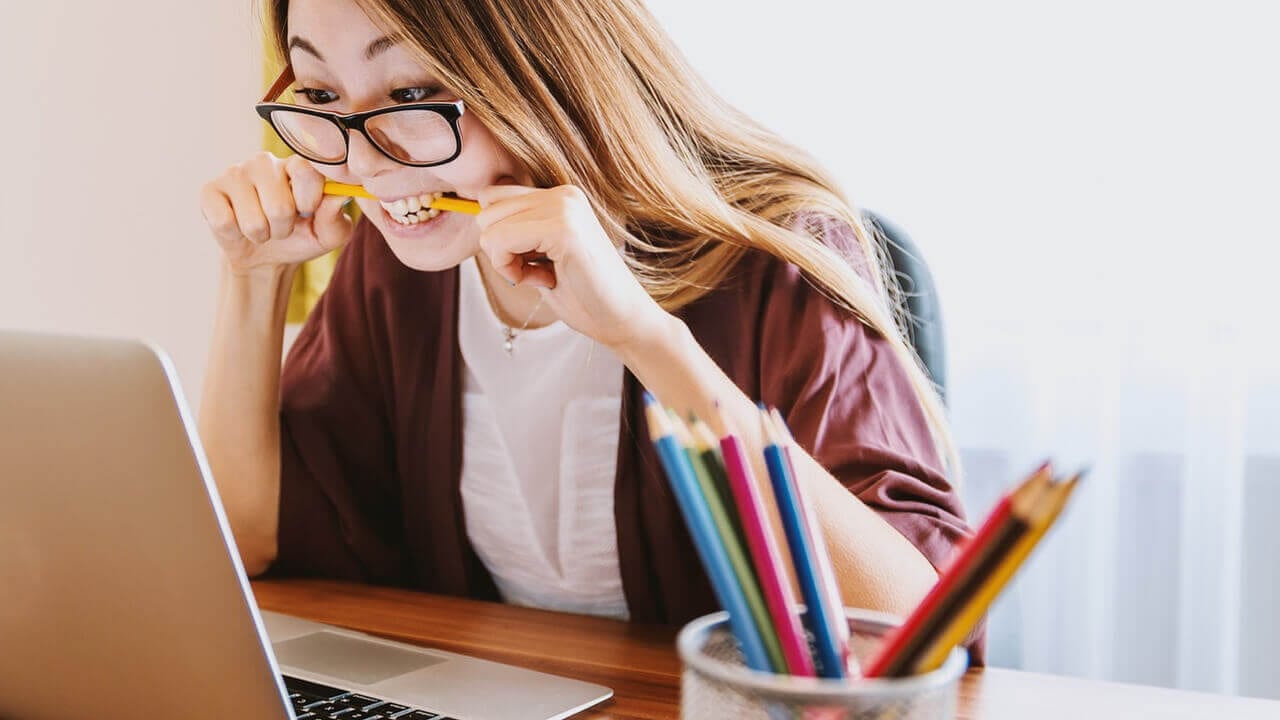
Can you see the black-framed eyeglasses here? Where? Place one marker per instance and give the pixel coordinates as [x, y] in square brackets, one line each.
[415, 134]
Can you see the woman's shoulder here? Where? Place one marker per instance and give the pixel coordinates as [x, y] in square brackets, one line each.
[762, 278]
[767, 303]
[842, 237]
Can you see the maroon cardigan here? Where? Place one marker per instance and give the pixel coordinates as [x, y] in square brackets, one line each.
[371, 431]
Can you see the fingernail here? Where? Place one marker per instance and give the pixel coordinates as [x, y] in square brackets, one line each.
[304, 214]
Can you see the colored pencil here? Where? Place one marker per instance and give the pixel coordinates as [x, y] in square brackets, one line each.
[449, 204]
[733, 547]
[826, 570]
[903, 646]
[822, 620]
[1051, 503]
[706, 542]
[729, 521]
[709, 449]
[768, 559]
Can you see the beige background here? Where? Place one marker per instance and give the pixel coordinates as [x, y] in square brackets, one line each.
[113, 116]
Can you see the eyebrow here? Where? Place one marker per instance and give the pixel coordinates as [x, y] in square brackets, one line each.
[376, 48]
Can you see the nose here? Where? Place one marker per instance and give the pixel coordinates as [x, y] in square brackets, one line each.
[365, 160]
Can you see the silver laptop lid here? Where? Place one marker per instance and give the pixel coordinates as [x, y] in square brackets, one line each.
[120, 593]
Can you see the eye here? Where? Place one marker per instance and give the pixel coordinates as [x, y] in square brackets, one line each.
[413, 94]
[315, 96]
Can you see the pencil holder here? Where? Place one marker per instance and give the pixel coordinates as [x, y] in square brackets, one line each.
[715, 684]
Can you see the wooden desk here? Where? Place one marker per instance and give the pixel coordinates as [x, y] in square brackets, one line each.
[640, 663]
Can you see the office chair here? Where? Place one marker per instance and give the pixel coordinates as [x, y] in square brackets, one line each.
[924, 329]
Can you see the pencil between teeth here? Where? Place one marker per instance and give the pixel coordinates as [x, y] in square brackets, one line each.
[458, 205]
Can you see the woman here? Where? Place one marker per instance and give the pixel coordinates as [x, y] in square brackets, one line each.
[461, 412]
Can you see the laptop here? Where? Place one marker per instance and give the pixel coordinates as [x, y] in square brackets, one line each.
[121, 591]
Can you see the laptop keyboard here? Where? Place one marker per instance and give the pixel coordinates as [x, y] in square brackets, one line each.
[313, 701]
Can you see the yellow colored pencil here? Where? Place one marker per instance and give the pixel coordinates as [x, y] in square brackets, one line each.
[1049, 506]
[458, 205]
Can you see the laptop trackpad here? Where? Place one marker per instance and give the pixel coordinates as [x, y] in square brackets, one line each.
[359, 661]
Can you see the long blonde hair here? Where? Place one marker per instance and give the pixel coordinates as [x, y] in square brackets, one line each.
[594, 93]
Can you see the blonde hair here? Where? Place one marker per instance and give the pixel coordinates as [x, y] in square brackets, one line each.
[594, 93]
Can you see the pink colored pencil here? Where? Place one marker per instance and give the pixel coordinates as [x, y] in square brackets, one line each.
[767, 557]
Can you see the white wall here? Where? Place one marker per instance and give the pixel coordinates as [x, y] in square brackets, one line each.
[1096, 145]
[113, 115]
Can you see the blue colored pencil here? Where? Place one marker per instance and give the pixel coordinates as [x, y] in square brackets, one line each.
[821, 619]
[826, 571]
[706, 541]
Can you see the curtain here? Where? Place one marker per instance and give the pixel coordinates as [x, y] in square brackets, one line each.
[1163, 570]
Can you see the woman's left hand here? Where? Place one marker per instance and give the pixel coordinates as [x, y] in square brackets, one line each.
[588, 283]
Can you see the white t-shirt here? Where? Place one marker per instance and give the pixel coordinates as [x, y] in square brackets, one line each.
[540, 448]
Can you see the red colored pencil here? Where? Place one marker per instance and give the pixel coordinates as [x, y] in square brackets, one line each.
[893, 654]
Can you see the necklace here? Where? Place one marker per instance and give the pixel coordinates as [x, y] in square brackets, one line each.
[509, 333]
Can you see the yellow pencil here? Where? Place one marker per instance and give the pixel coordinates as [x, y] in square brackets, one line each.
[1049, 506]
[458, 205]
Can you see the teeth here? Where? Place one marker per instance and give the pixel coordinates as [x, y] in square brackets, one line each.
[413, 210]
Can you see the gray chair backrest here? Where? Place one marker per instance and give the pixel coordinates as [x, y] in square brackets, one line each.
[924, 330]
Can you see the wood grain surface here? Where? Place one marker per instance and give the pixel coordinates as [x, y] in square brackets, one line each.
[640, 663]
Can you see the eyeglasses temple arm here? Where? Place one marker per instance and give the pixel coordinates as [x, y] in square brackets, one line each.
[277, 87]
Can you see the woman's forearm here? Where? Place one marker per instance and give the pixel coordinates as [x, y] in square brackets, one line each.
[876, 567]
[240, 406]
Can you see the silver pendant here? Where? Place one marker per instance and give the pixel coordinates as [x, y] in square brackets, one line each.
[509, 336]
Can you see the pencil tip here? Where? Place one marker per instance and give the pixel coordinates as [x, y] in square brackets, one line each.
[784, 431]
[769, 432]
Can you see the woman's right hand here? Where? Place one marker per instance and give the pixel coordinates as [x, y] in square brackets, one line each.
[267, 213]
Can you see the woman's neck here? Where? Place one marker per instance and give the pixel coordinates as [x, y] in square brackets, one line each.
[513, 305]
